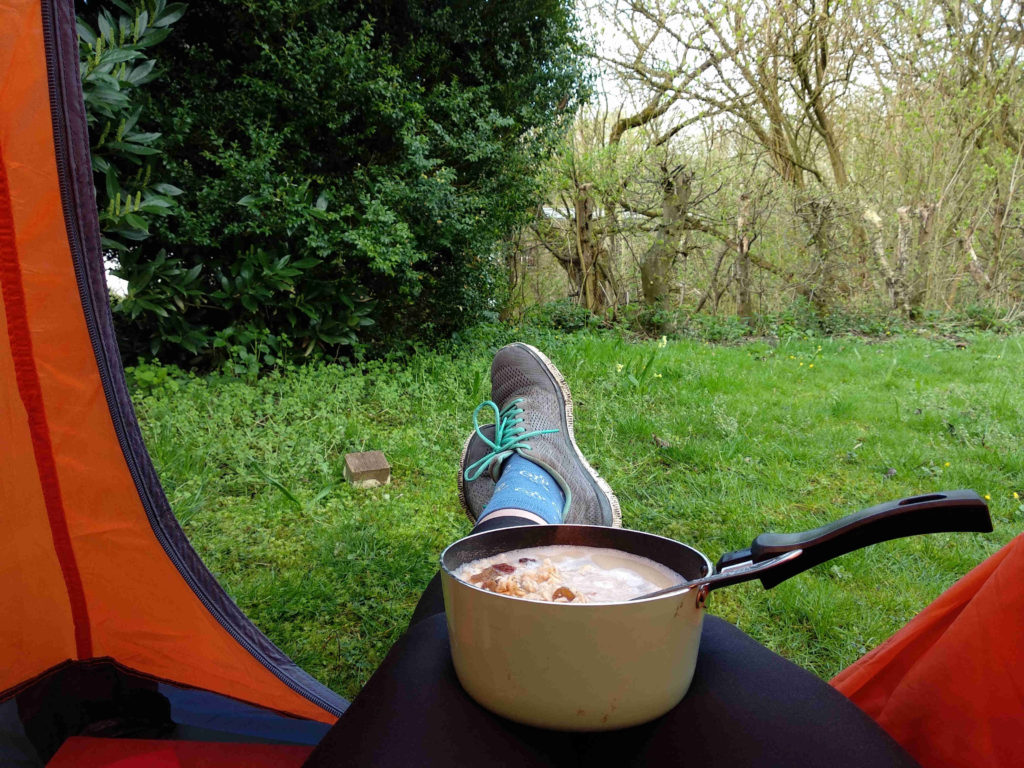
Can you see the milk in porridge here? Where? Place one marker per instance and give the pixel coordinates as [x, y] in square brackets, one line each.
[568, 574]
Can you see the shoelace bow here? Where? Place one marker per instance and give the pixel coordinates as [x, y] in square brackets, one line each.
[509, 434]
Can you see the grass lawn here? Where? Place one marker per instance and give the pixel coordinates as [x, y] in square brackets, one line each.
[760, 437]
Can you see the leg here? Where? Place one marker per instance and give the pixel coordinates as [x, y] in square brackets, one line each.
[750, 707]
[746, 707]
[413, 710]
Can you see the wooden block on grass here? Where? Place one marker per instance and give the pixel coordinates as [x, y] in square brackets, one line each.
[367, 469]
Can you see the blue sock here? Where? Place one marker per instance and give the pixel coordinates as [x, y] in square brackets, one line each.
[524, 485]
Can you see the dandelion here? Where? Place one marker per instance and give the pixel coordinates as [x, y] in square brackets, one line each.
[1016, 496]
[801, 365]
[663, 342]
[811, 365]
[988, 497]
[792, 357]
[947, 463]
[618, 367]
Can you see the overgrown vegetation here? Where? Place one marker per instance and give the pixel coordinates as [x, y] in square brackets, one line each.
[132, 190]
[349, 171]
[799, 319]
[354, 179]
[744, 154]
[709, 444]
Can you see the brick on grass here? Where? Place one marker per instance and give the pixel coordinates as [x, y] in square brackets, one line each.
[367, 469]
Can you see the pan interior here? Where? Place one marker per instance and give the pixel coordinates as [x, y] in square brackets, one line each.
[684, 560]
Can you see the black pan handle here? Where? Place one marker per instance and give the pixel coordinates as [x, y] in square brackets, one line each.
[947, 511]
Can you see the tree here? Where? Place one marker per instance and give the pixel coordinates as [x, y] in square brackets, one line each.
[849, 154]
[780, 73]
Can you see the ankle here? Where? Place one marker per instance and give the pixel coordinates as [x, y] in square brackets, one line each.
[526, 486]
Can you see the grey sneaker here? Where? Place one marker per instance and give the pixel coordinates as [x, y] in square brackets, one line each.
[474, 494]
[534, 418]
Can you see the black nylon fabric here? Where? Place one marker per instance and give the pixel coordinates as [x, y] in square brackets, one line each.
[747, 708]
[102, 698]
[16, 750]
[95, 698]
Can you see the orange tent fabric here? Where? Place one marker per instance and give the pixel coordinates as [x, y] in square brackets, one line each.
[92, 563]
[949, 687]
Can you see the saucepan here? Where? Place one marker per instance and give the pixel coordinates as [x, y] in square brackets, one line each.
[601, 666]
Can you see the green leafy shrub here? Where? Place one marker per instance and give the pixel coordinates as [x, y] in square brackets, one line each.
[562, 315]
[350, 171]
[715, 327]
[114, 62]
[647, 320]
[151, 379]
[984, 317]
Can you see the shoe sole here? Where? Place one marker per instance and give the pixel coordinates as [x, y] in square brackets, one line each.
[602, 486]
[462, 480]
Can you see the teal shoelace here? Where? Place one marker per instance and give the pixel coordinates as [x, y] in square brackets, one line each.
[509, 434]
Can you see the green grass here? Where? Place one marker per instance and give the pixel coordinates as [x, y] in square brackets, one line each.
[757, 440]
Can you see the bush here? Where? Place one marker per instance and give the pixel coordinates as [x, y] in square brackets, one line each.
[984, 318]
[562, 315]
[349, 170]
[114, 39]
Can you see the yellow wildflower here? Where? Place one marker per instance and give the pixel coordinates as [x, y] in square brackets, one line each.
[663, 342]
[811, 365]
[988, 497]
[618, 367]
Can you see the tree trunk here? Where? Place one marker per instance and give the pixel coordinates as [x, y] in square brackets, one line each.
[926, 245]
[974, 264]
[658, 260]
[818, 216]
[743, 241]
[585, 247]
[893, 280]
[999, 212]
[586, 263]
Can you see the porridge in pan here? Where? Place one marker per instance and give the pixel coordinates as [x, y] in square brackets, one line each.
[568, 574]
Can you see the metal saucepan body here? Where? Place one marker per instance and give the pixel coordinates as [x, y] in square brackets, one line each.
[600, 666]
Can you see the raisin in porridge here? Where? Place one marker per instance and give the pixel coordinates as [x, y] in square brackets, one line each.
[568, 574]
